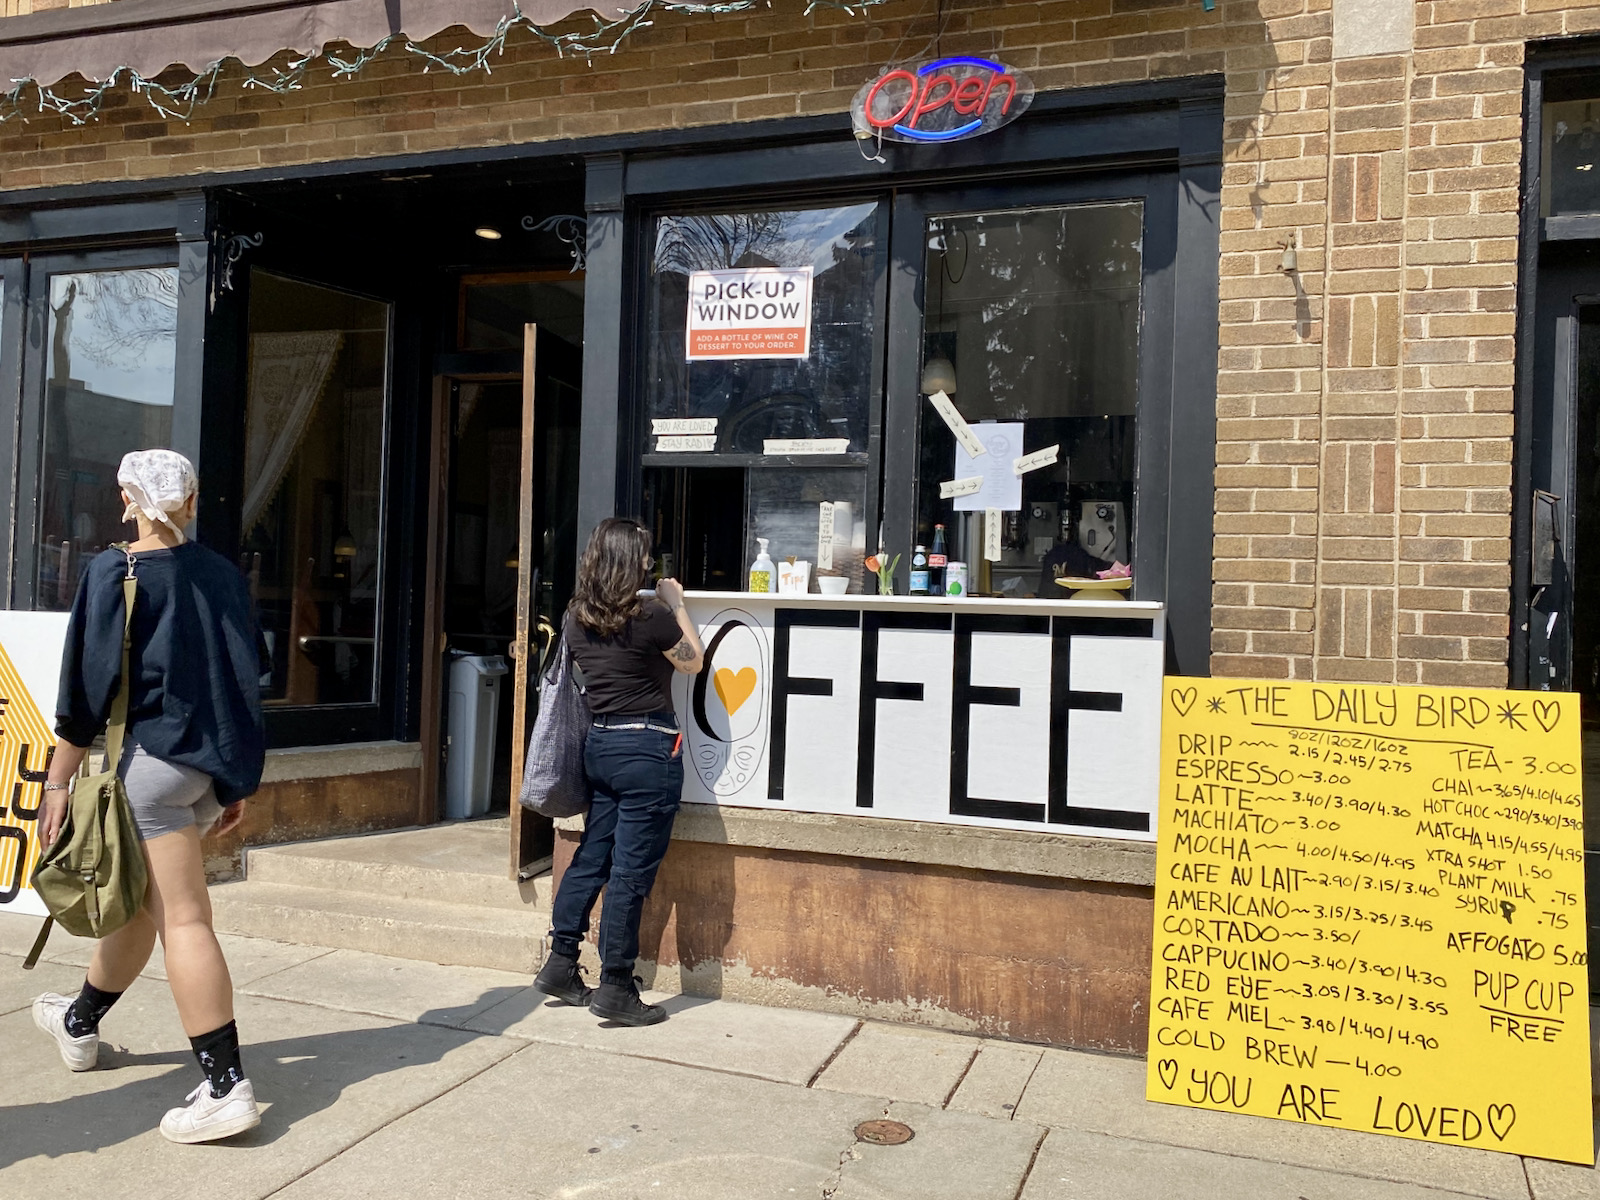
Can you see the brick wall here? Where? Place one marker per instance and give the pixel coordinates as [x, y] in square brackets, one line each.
[1364, 408]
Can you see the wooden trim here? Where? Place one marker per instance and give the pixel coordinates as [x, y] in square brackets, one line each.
[521, 649]
[433, 602]
[490, 278]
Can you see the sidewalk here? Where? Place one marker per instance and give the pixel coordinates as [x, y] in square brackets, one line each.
[386, 1078]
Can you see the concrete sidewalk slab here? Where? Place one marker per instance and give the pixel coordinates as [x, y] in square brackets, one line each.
[995, 1081]
[558, 1121]
[248, 958]
[952, 1157]
[1101, 1094]
[1073, 1165]
[18, 987]
[1562, 1181]
[329, 1078]
[901, 1062]
[401, 988]
[783, 1044]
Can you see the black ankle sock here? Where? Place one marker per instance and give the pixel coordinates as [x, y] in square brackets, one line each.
[89, 1009]
[218, 1052]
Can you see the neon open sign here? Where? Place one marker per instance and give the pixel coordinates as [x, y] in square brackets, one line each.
[941, 101]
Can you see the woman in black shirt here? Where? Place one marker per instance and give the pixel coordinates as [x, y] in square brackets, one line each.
[626, 645]
[194, 750]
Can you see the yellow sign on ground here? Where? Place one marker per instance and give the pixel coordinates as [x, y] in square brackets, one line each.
[1370, 911]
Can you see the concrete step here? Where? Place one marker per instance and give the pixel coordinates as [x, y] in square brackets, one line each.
[428, 930]
[465, 862]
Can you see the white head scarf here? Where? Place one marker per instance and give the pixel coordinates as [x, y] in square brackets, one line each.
[158, 483]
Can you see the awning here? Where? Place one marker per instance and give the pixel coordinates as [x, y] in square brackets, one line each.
[149, 36]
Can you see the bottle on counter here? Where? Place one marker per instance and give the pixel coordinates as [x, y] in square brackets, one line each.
[919, 571]
[763, 575]
[937, 559]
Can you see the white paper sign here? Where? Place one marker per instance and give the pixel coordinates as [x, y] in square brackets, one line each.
[661, 426]
[1039, 458]
[760, 312]
[1002, 487]
[960, 487]
[686, 443]
[825, 536]
[805, 446]
[991, 534]
[946, 408]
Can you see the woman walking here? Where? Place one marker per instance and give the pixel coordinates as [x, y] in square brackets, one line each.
[626, 644]
[194, 750]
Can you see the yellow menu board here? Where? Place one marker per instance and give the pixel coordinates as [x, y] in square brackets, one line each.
[1369, 911]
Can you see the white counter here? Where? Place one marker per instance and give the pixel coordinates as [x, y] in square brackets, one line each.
[1030, 714]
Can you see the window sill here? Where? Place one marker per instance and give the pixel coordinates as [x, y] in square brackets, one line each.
[352, 758]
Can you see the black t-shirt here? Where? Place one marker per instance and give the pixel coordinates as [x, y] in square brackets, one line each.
[627, 672]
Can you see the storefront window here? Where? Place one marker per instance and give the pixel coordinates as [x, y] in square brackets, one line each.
[1031, 327]
[110, 368]
[761, 379]
[313, 466]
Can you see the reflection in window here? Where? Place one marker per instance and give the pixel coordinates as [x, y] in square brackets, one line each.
[824, 395]
[696, 512]
[1031, 320]
[110, 366]
[313, 466]
[1571, 172]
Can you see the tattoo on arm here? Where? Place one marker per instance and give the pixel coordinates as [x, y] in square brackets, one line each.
[683, 651]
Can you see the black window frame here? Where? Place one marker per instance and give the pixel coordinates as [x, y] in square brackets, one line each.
[1169, 129]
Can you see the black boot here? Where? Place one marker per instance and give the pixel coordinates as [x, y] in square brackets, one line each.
[562, 978]
[618, 1001]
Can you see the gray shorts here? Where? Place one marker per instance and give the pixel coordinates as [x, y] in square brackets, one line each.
[167, 797]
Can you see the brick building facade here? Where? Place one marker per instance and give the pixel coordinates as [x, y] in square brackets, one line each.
[1374, 327]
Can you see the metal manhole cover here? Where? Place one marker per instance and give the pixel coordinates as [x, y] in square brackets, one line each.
[884, 1133]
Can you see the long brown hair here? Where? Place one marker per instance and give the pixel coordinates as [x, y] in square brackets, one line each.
[610, 574]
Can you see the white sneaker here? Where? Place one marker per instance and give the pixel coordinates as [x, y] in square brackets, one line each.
[209, 1118]
[50, 1015]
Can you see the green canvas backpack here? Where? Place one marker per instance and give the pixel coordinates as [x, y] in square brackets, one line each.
[93, 878]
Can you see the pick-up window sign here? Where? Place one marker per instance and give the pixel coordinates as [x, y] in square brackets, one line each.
[757, 312]
[941, 101]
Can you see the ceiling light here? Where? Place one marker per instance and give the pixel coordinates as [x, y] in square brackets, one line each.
[488, 233]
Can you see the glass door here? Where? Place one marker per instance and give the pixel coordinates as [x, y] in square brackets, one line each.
[1042, 312]
[99, 378]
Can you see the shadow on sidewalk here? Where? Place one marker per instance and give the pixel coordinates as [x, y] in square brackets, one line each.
[298, 1077]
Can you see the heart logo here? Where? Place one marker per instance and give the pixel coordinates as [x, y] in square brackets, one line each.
[734, 687]
[1547, 713]
[1501, 1118]
[1183, 700]
[1167, 1068]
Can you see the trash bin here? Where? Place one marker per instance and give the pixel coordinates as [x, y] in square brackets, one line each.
[474, 712]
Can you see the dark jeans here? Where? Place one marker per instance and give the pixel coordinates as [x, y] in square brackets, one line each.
[637, 781]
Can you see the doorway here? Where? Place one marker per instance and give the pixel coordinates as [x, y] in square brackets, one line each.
[505, 529]
[1558, 633]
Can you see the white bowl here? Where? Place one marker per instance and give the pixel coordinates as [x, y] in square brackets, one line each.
[833, 585]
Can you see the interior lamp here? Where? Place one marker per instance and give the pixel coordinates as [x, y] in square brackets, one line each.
[938, 375]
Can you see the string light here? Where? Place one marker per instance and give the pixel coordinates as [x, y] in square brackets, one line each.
[178, 102]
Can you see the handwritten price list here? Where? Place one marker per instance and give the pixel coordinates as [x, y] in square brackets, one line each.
[1369, 912]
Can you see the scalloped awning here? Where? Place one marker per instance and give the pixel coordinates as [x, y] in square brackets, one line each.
[149, 36]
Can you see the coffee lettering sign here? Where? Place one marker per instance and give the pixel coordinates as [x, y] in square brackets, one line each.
[945, 100]
[30, 666]
[1370, 912]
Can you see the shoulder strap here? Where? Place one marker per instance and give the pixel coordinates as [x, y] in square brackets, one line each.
[119, 706]
[38, 944]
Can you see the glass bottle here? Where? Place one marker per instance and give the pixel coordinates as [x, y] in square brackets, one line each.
[937, 558]
[919, 571]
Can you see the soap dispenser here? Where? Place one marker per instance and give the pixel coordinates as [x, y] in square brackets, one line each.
[763, 577]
